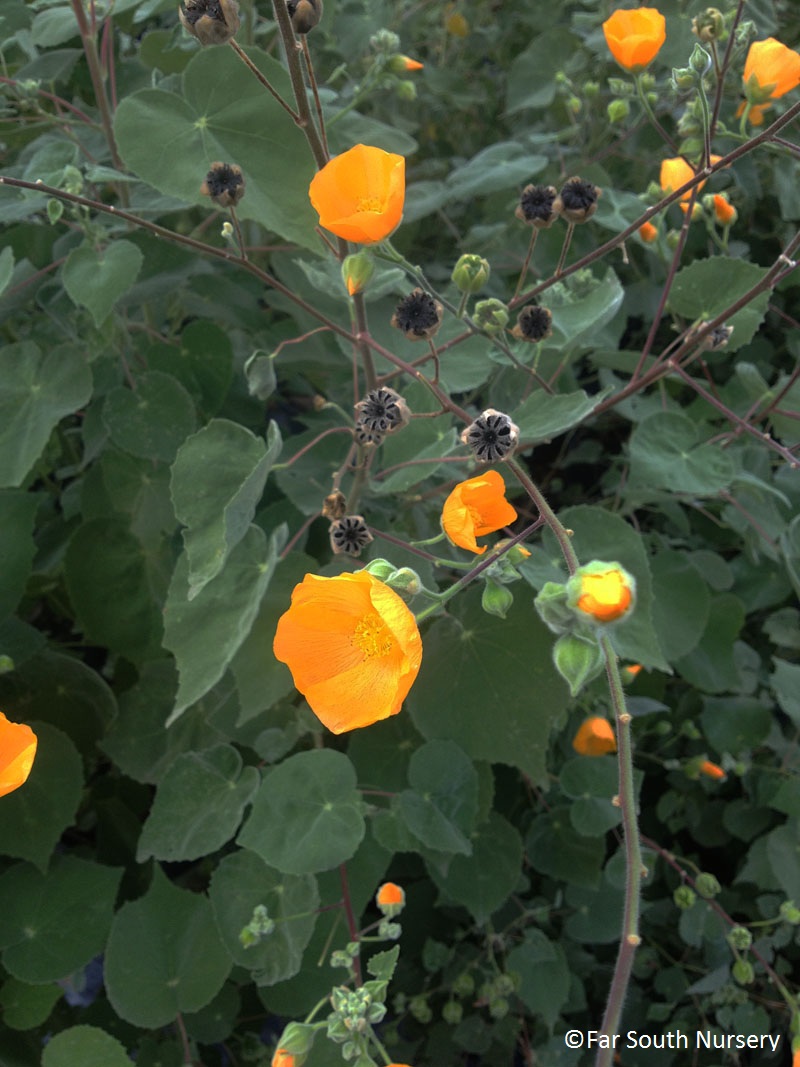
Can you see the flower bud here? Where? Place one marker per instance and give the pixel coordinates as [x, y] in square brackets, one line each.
[789, 913]
[452, 1012]
[210, 21]
[496, 598]
[682, 79]
[618, 110]
[600, 591]
[297, 1038]
[357, 269]
[404, 581]
[740, 938]
[578, 660]
[700, 60]
[724, 211]
[385, 41]
[380, 568]
[743, 972]
[470, 273]
[707, 885]
[648, 232]
[406, 90]
[684, 897]
[400, 64]
[391, 899]
[595, 737]
[709, 25]
[491, 316]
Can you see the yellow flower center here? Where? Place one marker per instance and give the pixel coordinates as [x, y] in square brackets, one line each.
[369, 203]
[372, 636]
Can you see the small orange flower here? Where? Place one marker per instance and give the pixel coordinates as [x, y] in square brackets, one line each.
[353, 648]
[17, 751]
[400, 63]
[632, 669]
[648, 232]
[359, 195]
[712, 770]
[476, 507]
[390, 895]
[634, 37]
[595, 737]
[605, 595]
[675, 173]
[724, 211]
[282, 1058]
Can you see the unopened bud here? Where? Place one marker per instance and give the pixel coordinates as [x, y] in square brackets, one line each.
[357, 269]
[709, 25]
[490, 316]
[618, 110]
[700, 60]
[707, 885]
[470, 273]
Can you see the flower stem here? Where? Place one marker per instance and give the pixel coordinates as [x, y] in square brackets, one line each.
[240, 52]
[564, 249]
[550, 518]
[633, 858]
[524, 272]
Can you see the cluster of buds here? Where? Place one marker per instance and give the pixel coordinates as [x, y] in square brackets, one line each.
[355, 1011]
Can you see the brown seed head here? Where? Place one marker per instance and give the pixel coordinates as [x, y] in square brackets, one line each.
[534, 324]
[537, 206]
[305, 14]
[210, 21]
[224, 183]
[418, 315]
[577, 201]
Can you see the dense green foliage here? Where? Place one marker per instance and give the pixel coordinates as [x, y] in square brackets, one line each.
[173, 414]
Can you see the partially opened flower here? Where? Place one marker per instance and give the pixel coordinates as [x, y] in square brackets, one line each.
[17, 751]
[712, 770]
[648, 232]
[634, 37]
[595, 737]
[770, 70]
[282, 1058]
[476, 507]
[352, 646]
[359, 194]
[603, 591]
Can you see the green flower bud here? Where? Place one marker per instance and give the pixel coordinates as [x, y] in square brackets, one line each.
[404, 581]
[464, 985]
[620, 87]
[381, 568]
[591, 89]
[700, 60]
[790, 913]
[709, 26]
[682, 79]
[504, 985]
[618, 110]
[490, 316]
[385, 41]
[470, 273]
[684, 897]
[496, 598]
[498, 1007]
[297, 1038]
[418, 1006]
[357, 269]
[743, 972]
[406, 90]
[577, 660]
[740, 938]
[707, 885]
[452, 1012]
[551, 604]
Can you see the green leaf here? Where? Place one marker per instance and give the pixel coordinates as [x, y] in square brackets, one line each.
[581, 307]
[261, 680]
[544, 975]
[490, 685]
[198, 805]
[548, 53]
[735, 724]
[785, 681]
[543, 416]
[504, 165]
[591, 783]
[202, 363]
[665, 454]
[681, 603]
[441, 806]
[36, 815]
[17, 513]
[597, 918]
[711, 665]
[222, 113]
[88, 1046]
[6, 267]
[241, 882]
[217, 480]
[707, 287]
[26, 1006]
[307, 815]
[553, 847]
[52, 924]
[97, 278]
[152, 420]
[36, 390]
[205, 633]
[164, 955]
[382, 964]
[104, 555]
[484, 880]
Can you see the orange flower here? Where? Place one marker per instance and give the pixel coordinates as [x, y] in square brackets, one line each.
[595, 737]
[17, 750]
[795, 1058]
[359, 195]
[282, 1058]
[476, 507]
[632, 669]
[352, 646]
[634, 37]
[712, 770]
[724, 211]
[399, 64]
[648, 232]
[390, 895]
[605, 595]
[770, 70]
[675, 173]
